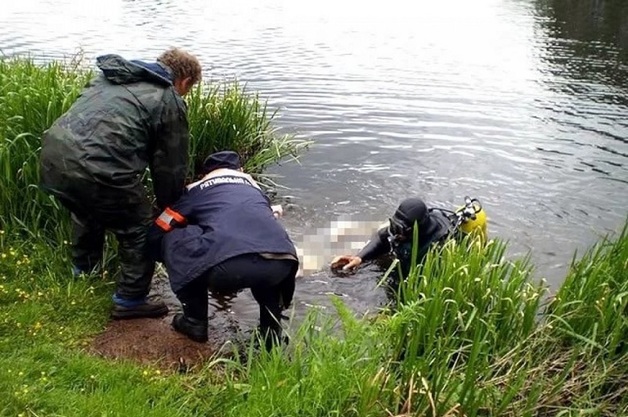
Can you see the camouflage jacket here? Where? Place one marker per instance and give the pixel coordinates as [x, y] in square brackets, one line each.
[126, 119]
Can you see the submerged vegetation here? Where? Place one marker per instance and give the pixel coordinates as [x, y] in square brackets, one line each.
[471, 333]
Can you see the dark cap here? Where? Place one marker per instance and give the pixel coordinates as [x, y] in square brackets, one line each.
[411, 210]
[222, 159]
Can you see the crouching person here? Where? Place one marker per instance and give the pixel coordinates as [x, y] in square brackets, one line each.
[223, 235]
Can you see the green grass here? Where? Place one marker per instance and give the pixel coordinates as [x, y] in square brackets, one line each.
[470, 333]
[32, 97]
[471, 337]
[228, 117]
[592, 304]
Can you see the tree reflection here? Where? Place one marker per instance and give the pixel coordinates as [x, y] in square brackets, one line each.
[587, 40]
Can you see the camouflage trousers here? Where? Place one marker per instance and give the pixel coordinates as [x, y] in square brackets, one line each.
[93, 212]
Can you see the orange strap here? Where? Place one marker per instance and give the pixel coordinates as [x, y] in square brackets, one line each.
[168, 219]
[176, 216]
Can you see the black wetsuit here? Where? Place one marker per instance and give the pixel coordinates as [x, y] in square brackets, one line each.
[434, 229]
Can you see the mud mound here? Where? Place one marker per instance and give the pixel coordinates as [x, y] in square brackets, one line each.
[154, 342]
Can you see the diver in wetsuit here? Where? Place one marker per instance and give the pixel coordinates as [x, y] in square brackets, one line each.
[434, 227]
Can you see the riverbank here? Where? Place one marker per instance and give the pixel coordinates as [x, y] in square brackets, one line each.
[471, 334]
[473, 338]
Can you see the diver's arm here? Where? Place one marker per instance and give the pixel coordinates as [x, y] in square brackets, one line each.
[376, 247]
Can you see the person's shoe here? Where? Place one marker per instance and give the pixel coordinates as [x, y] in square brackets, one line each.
[141, 309]
[193, 328]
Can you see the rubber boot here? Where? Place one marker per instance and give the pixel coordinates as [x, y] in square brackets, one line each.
[193, 328]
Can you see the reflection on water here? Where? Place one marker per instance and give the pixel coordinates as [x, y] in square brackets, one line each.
[521, 104]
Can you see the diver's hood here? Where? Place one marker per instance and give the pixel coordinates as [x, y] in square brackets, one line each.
[432, 223]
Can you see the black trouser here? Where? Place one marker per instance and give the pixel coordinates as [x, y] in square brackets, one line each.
[271, 281]
[95, 210]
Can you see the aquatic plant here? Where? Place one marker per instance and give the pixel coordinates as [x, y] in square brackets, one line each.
[227, 117]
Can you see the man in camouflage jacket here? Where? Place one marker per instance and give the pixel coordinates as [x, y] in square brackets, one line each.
[128, 118]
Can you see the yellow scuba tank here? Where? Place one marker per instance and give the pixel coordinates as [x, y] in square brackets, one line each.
[472, 219]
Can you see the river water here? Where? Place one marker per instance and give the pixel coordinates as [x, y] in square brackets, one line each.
[520, 103]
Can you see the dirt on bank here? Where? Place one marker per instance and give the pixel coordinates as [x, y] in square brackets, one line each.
[154, 341]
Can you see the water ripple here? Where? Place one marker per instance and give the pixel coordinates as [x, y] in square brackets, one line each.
[503, 100]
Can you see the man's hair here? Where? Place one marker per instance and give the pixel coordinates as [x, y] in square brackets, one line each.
[182, 64]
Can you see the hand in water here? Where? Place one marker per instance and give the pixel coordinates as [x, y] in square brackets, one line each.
[277, 210]
[346, 262]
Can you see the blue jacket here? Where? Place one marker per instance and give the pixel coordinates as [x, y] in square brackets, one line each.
[216, 219]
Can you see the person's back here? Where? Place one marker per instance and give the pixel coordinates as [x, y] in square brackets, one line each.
[94, 157]
[223, 234]
[228, 216]
[110, 133]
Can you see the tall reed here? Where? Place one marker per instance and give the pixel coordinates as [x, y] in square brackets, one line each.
[32, 97]
[227, 117]
[591, 306]
[465, 308]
